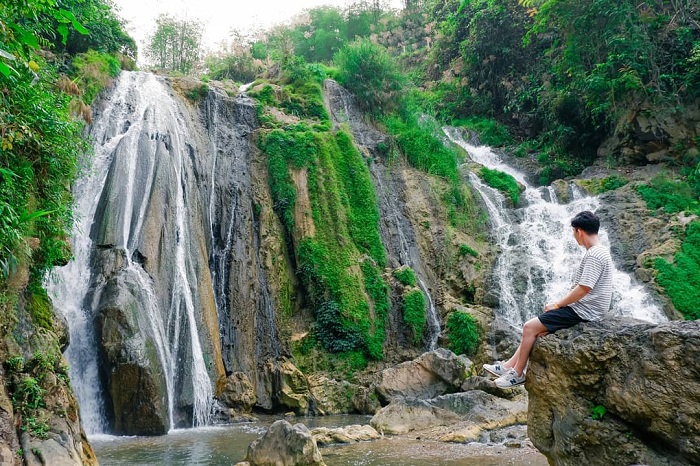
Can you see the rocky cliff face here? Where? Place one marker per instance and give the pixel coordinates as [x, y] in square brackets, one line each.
[617, 392]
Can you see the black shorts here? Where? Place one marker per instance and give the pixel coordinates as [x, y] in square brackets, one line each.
[561, 318]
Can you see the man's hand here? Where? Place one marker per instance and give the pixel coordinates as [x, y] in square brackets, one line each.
[550, 307]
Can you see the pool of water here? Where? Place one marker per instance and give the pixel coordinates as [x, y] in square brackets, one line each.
[227, 445]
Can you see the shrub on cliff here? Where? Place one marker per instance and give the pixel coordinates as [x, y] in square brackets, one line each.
[414, 313]
[463, 332]
[371, 74]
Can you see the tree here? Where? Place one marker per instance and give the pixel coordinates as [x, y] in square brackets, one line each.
[176, 44]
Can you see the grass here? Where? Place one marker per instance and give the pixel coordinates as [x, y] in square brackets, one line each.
[503, 182]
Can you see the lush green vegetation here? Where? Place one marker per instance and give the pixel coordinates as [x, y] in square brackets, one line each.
[414, 313]
[406, 276]
[340, 265]
[670, 195]
[463, 333]
[491, 132]
[367, 70]
[562, 72]
[681, 279]
[503, 182]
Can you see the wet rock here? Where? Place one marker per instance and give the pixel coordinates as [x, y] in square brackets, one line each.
[411, 414]
[347, 434]
[645, 376]
[284, 444]
[433, 373]
[238, 393]
[135, 380]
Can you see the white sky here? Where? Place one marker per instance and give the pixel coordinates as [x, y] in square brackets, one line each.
[218, 16]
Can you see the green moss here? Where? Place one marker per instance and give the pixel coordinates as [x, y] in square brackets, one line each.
[463, 333]
[40, 307]
[465, 249]
[414, 313]
[503, 182]
[681, 279]
[406, 276]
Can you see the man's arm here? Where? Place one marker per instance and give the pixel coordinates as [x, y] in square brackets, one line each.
[574, 295]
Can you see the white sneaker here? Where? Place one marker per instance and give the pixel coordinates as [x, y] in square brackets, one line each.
[497, 368]
[510, 379]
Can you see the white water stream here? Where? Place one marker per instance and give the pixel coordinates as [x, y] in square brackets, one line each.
[538, 254]
[139, 105]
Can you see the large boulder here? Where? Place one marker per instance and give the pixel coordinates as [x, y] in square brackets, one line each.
[617, 392]
[238, 393]
[285, 445]
[432, 374]
[340, 397]
[473, 410]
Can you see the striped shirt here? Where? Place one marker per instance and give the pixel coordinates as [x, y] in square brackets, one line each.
[595, 272]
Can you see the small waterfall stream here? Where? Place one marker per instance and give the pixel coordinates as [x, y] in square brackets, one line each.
[538, 255]
[137, 139]
[407, 252]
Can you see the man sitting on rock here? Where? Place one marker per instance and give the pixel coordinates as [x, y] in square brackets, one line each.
[588, 300]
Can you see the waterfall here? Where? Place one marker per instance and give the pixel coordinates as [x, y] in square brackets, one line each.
[538, 255]
[139, 142]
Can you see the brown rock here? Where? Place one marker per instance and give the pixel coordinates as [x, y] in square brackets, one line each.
[646, 376]
[238, 393]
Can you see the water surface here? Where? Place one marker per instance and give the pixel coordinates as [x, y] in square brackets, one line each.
[227, 445]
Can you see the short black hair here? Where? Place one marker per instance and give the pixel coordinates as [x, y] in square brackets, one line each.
[586, 221]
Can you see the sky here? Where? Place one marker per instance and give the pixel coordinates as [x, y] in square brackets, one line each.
[218, 16]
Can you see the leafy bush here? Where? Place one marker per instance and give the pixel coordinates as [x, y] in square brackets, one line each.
[406, 276]
[371, 74]
[503, 182]
[681, 279]
[491, 132]
[463, 332]
[414, 313]
[672, 196]
[333, 333]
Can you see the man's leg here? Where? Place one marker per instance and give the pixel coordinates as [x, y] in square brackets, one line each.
[532, 329]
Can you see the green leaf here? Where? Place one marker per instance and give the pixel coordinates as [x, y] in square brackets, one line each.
[63, 30]
[5, 70]
[76, 24]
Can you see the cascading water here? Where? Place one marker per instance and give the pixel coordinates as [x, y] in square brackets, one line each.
[138, 143]
[538, 255]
